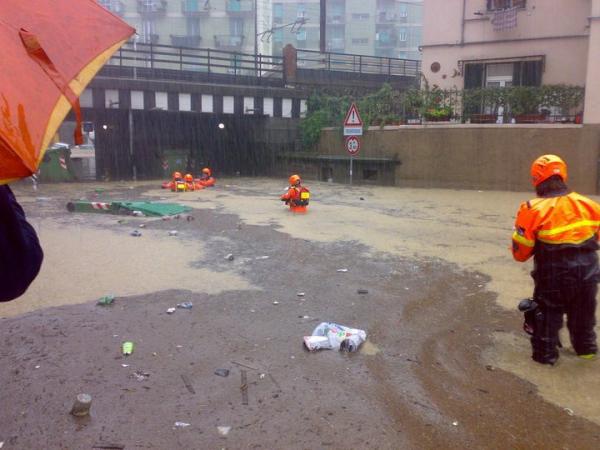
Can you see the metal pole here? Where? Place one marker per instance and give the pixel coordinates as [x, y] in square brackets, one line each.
[351, 160]
[255, 35]
[131, 145]
[322, 26]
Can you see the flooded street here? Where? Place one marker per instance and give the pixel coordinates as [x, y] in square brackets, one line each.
[446, 364]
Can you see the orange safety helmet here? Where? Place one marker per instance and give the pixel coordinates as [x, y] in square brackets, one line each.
[546, 166]
[176, 175]
[294, 179]
[188, 177]
[206, 170]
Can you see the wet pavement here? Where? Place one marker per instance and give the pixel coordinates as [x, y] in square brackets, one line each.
[446, 365]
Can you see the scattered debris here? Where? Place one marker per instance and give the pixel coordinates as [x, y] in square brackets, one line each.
[181, 425]
[140, 375]
[569, 411]
[223, 431]
[244, 387]
[276, 302]
[188, 384]
[137, 213]
[124, 365]
[300, 294]
[455, 423]
[362, 198]
[190, 218]
[329, 335]
[243, 365]
[136, 233]
[109, 446]
[489, 367]
[363, 291]
[222, 372]
[37, 367]
[262, 376]
[342, 270]
[106, 300]
[185, 305]
[142, 225]
[230, 257]
[170, 310]
[127, 348]
[261, 257]
[173, 233]
[303, 317]
[252, 310]
[81, 406]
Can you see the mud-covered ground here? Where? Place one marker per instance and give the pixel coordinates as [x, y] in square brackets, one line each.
[445, 365]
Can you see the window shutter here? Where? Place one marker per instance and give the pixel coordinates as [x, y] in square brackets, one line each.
[531, 73]
[473, 76]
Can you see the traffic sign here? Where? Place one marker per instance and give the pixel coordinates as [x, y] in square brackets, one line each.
[353, 124]
[352, 145]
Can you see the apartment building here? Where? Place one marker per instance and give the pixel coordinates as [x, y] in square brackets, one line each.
[222, 24]
[367, 27]
[389, 28]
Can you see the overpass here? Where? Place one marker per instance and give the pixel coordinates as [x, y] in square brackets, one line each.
[152, 104]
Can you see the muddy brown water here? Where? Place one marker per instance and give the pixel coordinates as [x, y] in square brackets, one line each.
[444, 348]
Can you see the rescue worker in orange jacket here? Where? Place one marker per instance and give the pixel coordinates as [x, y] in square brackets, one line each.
[206, 179]
[297, 196]
[189, 182]
[559, 229]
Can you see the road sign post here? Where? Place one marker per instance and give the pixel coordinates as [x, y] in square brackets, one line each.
[352, 147]
[353, 127]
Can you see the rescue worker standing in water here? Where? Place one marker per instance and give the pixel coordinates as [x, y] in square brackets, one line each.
[297, 196]
[560, 229]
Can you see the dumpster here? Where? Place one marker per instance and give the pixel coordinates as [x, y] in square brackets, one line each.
[56, 165]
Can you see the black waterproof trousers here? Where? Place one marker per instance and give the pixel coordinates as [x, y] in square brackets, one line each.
[566, 282]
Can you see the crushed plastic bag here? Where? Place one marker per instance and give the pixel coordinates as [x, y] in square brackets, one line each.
[329, 335]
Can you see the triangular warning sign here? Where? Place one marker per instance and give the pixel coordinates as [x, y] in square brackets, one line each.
[352, 117]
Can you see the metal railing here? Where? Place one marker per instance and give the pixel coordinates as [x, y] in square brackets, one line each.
[151, 57]
[344, 62]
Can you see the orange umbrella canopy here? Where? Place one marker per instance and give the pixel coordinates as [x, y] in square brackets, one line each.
[51, 50]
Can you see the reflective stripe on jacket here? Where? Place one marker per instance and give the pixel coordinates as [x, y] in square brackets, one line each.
[553, 223]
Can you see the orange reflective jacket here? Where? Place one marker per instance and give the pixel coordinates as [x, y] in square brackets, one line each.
[570, 220]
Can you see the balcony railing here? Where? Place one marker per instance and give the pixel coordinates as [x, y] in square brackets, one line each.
[336, 19]
[384, 17]
[152, 7]
[185, 40]
[228, 41]
[387, 42]
[195, 8]
[240, 7]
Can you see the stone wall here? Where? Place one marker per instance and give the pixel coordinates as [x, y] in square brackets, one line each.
[490, 157]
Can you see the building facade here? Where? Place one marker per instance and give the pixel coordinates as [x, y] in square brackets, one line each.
[389, 28]
[479, 43]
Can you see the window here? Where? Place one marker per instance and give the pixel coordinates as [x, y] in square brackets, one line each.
[360, 41]
[236, 26]
[301, 35]
[499, 74]
[193, 26]
[301, 11]
[278, 12]
[360, 16]
[495, 5]
[402, 35]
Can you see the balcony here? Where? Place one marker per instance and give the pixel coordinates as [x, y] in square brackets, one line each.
[240, 7]
[195, 8]
[336, 45]
[149, 38]
[386, 17]
[115, 6]
[185, 40]
[229, 42]
[336, 19]
[152, 7]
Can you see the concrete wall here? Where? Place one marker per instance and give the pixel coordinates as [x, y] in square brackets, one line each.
[494, 157]
[450, 37]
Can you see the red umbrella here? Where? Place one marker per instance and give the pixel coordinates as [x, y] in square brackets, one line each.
[51, 50]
